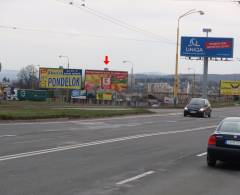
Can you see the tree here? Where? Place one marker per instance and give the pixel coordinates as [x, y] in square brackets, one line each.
[5, 80]
[27, 77]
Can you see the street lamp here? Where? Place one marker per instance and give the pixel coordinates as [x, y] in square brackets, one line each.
[33, 75]
[207, 31]
[176, 78]
[127, 61]
[194, 81]
[62, 56]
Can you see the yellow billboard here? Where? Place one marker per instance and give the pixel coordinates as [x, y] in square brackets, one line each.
[104, 96]
[229, 87]
[59, 78]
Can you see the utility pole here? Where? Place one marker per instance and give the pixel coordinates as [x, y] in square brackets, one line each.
[33, 75]
[205, 70]
[132, 77]
[68, 59]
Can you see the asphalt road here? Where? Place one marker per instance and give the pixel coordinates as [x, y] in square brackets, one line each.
[137, 155]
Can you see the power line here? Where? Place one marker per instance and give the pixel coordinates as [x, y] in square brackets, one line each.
[220, 1]
[76, 34]
[115, 21]
[131, 26]
[217, 1]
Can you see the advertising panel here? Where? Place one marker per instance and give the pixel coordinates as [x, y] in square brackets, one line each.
[106, 80]
[58, 78]
[207, 47]
[230, 87]
[104, 96]
[33, 95]
[79, 94]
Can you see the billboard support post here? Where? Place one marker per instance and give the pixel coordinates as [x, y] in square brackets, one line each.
[205, 78]
[205, 70]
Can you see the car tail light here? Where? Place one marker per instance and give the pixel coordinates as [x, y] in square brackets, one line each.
[212, 140]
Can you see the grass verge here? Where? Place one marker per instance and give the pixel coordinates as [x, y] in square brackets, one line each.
[44, 111]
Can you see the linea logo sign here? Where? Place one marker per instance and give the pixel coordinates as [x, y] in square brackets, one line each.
[194, 46]
[193, 42]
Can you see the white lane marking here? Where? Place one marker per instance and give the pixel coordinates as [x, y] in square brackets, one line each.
[33, 141]
[174, 114]
[7, 136]
[88, 120]
[100, 142]
[171, 121]
[135, 178]
[112, 126]
[61, 130]
[202, 154]
[55, 130]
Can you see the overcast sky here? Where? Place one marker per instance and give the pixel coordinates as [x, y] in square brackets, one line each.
[87, 38]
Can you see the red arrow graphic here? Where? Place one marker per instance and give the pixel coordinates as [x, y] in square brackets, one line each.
[106, 61]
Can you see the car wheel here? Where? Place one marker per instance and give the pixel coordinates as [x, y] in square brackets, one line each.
[209, 115]
[184, 114]
[210, 161]
[204, 115]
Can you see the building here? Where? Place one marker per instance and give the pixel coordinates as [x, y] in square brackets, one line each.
[159, 88]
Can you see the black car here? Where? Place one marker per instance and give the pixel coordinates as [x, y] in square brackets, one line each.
[224, 143]
[198, 107]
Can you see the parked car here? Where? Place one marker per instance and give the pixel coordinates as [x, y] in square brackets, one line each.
[198, 107]
[224, 143]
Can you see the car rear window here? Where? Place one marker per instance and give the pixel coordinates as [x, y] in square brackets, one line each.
[233, 127]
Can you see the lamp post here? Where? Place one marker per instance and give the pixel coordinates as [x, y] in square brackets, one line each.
[176, 78]
[33, 75]
[62, 56]
[127, 61]
[194, 81]
[67, 91]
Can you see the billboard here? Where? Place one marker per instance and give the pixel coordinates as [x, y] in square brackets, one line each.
[106, 80]
[104, 96]
[79, 94]
[230, 88]
[33, 95]
[58, 78]
[207, 47]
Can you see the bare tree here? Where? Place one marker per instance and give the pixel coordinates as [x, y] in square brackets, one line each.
[27, 77]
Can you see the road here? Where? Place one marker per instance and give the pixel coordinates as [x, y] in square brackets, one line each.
[136, 155]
